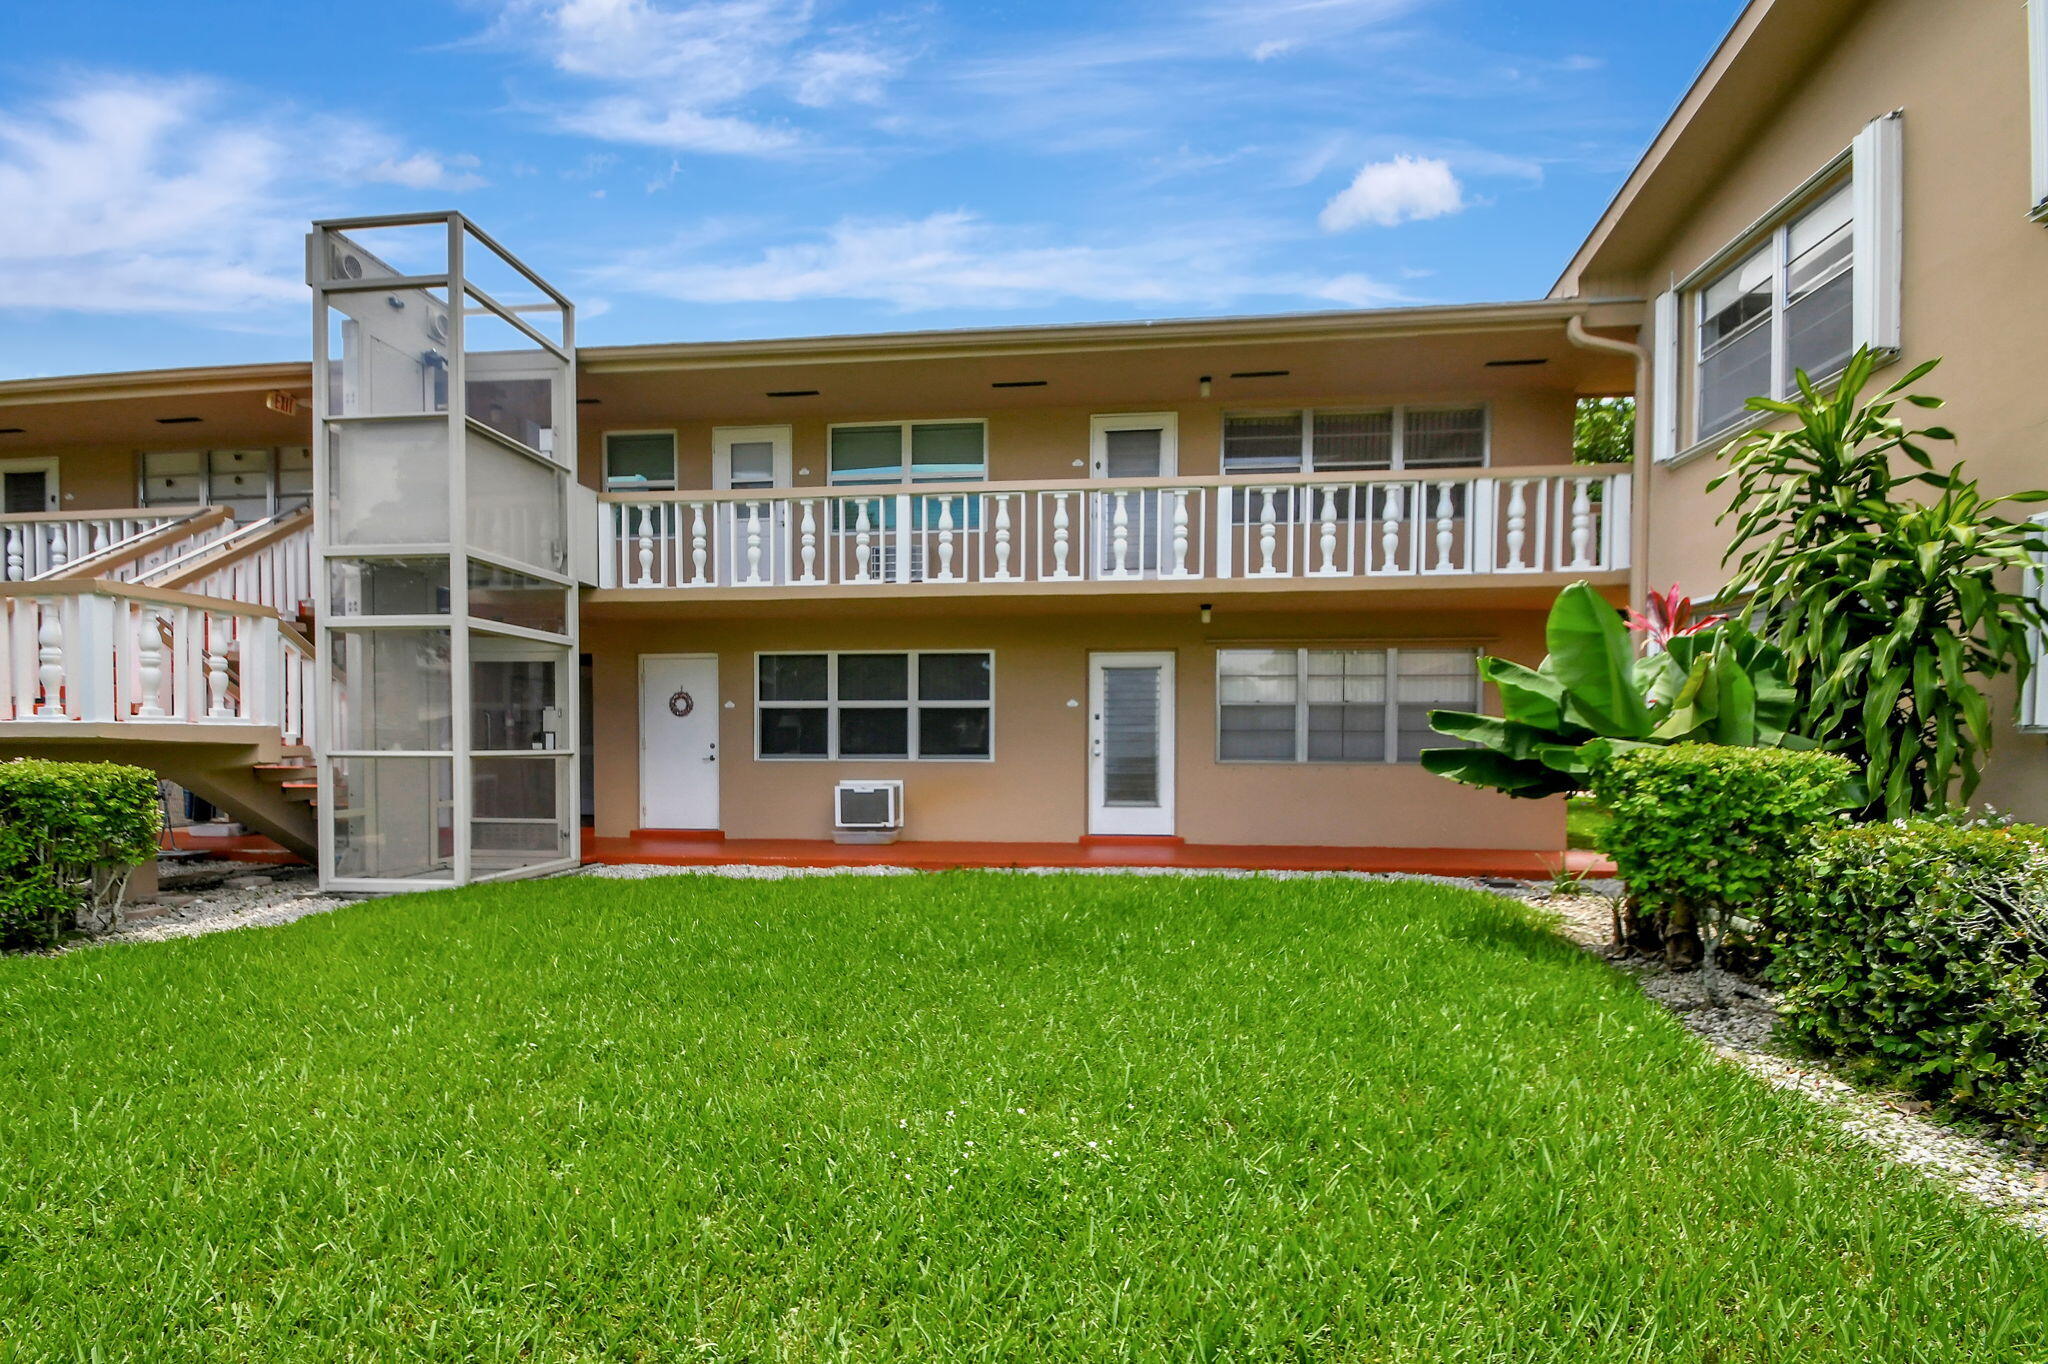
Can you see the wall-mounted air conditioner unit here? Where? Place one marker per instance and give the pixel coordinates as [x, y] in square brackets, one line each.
[867, 811]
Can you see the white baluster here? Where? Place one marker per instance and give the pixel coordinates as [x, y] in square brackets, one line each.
[15, 572]
[1268, 532]
[646, 555]
[1003, 535]
[700, 543]
[216, 671]
[753, 542]
[1180, 532]
[1582, 522]
[863, 546]
[810, 541]
[1061, 533]
[1327, 541]
[1518, 521]
[50, 659]
[1120, 535]
[1390, 528]
[99, 537]
[1444, 526]
[57, 541]
[945, 539]
[150, 664]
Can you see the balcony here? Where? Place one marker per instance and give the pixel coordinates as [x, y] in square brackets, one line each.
[1380, 529]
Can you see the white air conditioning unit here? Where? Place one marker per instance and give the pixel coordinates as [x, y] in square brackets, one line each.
[867, 811]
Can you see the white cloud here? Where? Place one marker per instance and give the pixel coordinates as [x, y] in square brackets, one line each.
[1388, 193]
[692, 75]
[959, 260]
[148, 198]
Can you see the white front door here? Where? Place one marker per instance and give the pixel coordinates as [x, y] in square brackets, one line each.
[679, 741]
[1130, 743]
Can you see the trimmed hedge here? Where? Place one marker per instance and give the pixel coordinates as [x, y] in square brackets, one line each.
[1919, 951]
[69, 835]
[1703, 831]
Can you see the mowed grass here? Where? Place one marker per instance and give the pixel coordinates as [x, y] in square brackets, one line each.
[955, 1117]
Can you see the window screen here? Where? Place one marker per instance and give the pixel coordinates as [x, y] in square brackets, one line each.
[1338, 705]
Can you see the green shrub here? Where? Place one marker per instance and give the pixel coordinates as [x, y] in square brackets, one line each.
[1919, 950]
[1701, 832]
[69, 835]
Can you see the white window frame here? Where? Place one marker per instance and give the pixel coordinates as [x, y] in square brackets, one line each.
[1872, 166]
[1167, 424]
[905, 481]
[45, 465]
[1390, 756]
[652, 485]
[723, 438]
[211, 494]
[832, 706]
[1398, 452]
[2037, 107]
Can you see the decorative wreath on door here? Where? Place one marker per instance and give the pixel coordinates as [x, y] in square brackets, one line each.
[681, 704]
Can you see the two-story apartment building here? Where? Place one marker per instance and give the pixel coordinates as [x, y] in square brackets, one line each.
[460, 591]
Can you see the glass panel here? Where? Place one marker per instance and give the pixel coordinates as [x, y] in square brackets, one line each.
[512, 695]
[413, 586]
[509, 382]
[172, 478]
[240, 481]
[1133, 453]
[753, 463]
[1735, 342]
[294, 477]
[874, 677]
[867, 454]
[388, 484]
[1354, 440]
[1819, 305]
[28, 490]
[516, 819]
[946, 452]
[793, 677]
[394, 817]
[793, 732]
[1347, 705]
[954, 677]
[953, 732]
[516, 599]
[1130, 736]
[387, 353]
[1256, 676]
[391, 689]
[1255, 734]
[515, 505]
[645, 460]
[1261, 442]
[874, 732]
[1443, 438]
[1432, 679]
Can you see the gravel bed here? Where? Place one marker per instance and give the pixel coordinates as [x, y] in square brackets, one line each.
[211, 897]
[2010, 1176]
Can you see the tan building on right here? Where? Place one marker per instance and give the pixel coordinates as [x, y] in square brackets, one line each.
[1842, 172]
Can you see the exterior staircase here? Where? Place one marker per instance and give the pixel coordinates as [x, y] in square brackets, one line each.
[169, 641]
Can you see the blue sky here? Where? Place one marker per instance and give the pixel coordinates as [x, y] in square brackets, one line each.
[702, 169]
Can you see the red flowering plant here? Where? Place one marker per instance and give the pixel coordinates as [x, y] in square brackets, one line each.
[1668, 616]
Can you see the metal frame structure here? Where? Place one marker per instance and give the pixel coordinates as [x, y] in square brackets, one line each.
[411, 339]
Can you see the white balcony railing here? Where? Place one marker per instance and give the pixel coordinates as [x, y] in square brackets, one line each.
[266, 563]
[1403, 525]
[111, 543]
[94, 652]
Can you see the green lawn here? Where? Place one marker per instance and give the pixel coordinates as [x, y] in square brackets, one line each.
[967, 1116]
[1585, 823]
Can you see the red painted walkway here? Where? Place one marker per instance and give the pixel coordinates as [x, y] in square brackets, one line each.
[231, 847]
[686, 849]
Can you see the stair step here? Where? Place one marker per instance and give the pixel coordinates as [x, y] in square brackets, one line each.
[277, 771]
[302, 790]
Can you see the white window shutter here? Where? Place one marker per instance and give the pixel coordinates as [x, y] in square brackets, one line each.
[2037, 105]
[1664, 376]
[1877, 162]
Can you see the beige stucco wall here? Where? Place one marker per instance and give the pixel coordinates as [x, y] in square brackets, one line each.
[1033, 443]
[1975, 269]
[1036, 787]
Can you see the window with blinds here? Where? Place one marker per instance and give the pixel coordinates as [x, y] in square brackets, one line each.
[1354, 439]
[639, 460]
[1338, 705]
[913, 705]
[909, 452]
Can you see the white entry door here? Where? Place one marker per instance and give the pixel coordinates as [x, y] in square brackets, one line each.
[679, 741]
[1130, 743]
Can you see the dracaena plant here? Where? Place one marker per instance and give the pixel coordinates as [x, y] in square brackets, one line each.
[1893, 586]
[1667, 615]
